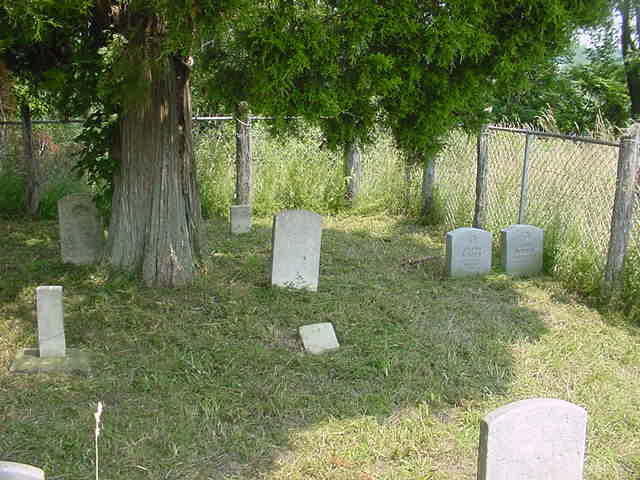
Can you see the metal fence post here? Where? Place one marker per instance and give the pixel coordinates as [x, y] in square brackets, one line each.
[622, 215]
[482, 175]
[524, 186]
[243, 155]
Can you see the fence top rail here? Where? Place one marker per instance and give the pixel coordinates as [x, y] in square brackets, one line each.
[198, 119]
[574, 138]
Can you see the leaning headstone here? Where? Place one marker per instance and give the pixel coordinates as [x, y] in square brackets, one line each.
[522, 247]
[468, 252]
[19, 471]
[318, 338]
[536, 439]
[240, 216]
[51, 340]
[81, 232]
[295, 257]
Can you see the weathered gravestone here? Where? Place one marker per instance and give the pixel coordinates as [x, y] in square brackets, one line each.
[52, 355]
[295, 257]
[468, 252]
[240, 216]
[51, 340]
[536, 439]
[318, 337]
[19, 471]
[81, 232]
[522, 247]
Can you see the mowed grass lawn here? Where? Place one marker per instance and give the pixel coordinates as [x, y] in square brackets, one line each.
[210, 381]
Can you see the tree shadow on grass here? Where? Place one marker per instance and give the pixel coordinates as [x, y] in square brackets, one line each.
[211, 381]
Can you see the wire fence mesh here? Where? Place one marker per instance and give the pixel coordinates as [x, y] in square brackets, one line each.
[571, 187]
[571, 183]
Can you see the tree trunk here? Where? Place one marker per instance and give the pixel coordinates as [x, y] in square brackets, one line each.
[243, 155]
[352, 171]
[428, 182]
[4, 94]
[156, 204]
[629, 53]
[31, 166]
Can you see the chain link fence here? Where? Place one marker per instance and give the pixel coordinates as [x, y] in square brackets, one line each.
[571, 183]
[570, 192]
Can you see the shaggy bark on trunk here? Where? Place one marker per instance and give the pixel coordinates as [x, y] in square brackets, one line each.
[243, 155]
[31, 164]
[352, 171]
[428, 183]
[156, 205]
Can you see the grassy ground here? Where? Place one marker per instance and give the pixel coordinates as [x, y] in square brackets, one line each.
[210, 382]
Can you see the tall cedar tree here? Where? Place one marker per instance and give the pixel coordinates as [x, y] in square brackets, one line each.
[418, 66]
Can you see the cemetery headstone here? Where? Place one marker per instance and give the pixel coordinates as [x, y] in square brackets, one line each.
[535, 439]
[295, 257]
[240, 216]
[19, 471]
[522, 247]
[81, 231]
[50, 321]
[318, 337]
[52, 355]
[468, 252]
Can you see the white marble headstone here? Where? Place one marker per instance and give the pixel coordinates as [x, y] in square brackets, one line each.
[535, 439]
[19, 471]
[295, 259]
[522, 247]
[240, 217]
[81, 231]
[468, 252]
[51, 341]
[318, 337]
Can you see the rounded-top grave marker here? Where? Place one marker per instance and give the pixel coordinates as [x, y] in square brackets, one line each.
[468, 252]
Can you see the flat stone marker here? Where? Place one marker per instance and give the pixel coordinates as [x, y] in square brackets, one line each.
[522, 247]
[240, 216]
[81, 231]
[536, 439]
[50, 321]
[295, 257]
[468, 252]
[19, 471]
[318, 338]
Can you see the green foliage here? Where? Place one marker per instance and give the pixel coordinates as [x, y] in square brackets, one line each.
[578, 95]
[48, 208]
[418, 68]
[631, 287]
[94, 162]
[12, 192]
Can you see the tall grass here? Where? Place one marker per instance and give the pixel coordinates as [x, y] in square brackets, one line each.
[298, 172]
[571, 192]
[54, 150]
[571, 187]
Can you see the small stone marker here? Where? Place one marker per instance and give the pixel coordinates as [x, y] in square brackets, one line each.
[50, 321]
[240, 216]
[468, 252]
[522, 247]
[536, 439]
[51, 354]
[81, 231]
[318, 337]
[19, 471]
[295, 257]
